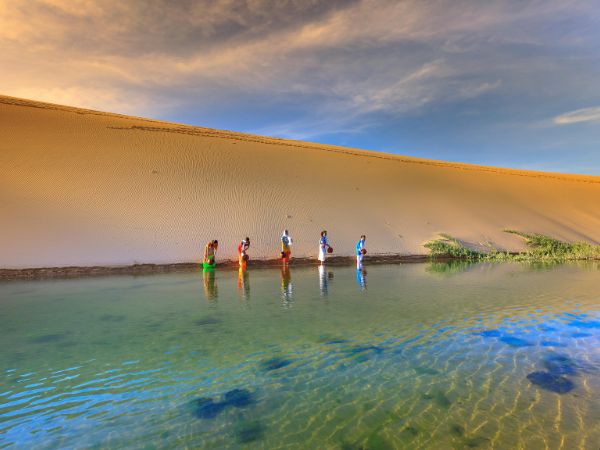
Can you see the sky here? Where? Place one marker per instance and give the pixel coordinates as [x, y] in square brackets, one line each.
[502, 83]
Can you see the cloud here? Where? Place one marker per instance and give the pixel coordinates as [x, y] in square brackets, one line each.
[334, 61]
[578, 116]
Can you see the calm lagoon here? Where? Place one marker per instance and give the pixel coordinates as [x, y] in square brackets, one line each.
[443, 355]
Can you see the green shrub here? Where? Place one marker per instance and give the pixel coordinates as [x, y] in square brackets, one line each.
[543, 247]
[540, 248]
[448, 247]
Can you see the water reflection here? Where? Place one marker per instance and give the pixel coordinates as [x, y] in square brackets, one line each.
[243, 285]
[322, 280]
[448, 268]
[361, 277]
[324, 277]
[211, 292]
[286, 286]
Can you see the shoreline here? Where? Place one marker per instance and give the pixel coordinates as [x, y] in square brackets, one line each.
[38, 273]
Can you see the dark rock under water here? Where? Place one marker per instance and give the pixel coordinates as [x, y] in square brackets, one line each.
[476, 441]
[457, 430]
[551, 382]
[207, 321]
[489, 333]
[440, 399]
[425, 370]
[336, 341]
[585, 324]
[515, 341]
[581, 335]
[410, 431]
[377, 442]
[207, 408]
[365, 348]
[275, 363]
[560, 365]
[552, 344]
[238, 398]
[249, 432]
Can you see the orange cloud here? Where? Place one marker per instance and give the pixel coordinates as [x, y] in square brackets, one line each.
[359, 56]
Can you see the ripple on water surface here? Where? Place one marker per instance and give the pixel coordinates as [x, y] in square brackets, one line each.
[488, 356]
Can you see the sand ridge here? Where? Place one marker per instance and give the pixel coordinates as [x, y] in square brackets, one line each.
[82, 187]
[245, 137]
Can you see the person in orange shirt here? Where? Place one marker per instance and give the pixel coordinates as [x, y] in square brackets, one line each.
[286, 250]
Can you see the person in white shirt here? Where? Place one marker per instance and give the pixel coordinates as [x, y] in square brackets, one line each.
[323, 247]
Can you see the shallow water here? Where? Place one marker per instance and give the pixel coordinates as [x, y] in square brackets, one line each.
[400, 356]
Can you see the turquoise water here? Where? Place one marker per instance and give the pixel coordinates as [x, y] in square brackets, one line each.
[397, 356]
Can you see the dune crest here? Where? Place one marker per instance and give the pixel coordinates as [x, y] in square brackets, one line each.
[81, 187]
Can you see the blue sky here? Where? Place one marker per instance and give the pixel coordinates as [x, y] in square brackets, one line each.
[511, 83]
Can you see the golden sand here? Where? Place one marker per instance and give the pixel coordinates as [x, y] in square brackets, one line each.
[80, 187]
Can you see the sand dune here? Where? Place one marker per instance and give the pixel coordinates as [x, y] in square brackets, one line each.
[80, 187]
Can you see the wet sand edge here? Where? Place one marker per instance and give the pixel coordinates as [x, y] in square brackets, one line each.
[146, 269]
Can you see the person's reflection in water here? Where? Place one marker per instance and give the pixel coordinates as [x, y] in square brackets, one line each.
[286, 286]
[324, 278]
[243, 285]
[361, 277]
[210, 287]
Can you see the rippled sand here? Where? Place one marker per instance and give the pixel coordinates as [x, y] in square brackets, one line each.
[408, 356]
[86, 188]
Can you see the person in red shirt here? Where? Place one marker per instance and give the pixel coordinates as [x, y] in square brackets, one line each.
[243, 251]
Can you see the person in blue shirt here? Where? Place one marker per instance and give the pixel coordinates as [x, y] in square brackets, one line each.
[360, 250]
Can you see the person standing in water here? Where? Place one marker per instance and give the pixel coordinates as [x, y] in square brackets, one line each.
[243, 251]
[210, 252]
[286, 242]
[360, 251]
[324, 247]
